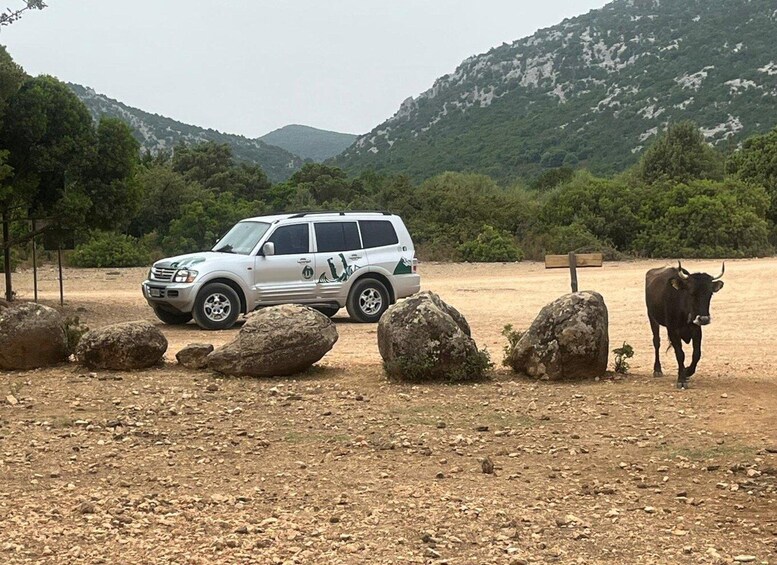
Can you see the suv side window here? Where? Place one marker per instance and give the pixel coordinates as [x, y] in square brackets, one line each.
[337, 236]
[378, 233]
[290, 240]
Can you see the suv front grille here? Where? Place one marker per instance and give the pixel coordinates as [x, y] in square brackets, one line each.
[162, 274]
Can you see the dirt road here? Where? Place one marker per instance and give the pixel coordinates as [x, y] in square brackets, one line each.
[340, 466]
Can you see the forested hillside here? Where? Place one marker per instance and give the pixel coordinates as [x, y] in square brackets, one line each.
[309, 143]
[157, 133]
[593, 91]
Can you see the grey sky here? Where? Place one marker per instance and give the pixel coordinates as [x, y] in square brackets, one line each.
[249, 67]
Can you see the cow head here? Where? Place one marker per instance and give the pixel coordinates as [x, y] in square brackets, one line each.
[697, 290]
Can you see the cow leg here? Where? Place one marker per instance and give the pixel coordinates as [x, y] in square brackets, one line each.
[677, 344]
[657, 346]
[696, 337]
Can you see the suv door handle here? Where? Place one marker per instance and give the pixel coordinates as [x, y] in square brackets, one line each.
[303, 261]
[355, 256]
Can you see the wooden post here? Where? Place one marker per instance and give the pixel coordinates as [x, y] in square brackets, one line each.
[34, 266]
[7, 258]
[573, 270]
[61, 286]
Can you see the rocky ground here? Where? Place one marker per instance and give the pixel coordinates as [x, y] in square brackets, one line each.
[341, 466]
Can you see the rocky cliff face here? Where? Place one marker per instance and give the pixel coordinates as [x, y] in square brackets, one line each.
[595, 89]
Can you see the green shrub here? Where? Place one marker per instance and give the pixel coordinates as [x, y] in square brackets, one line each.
[622, 354]
[110, 249]
[491, 246]
[513, 337]
[74, 330]
[420, 368]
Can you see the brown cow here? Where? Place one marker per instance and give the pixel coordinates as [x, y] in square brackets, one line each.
[679, 301]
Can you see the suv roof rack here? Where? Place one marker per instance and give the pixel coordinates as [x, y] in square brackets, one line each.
[303, 214]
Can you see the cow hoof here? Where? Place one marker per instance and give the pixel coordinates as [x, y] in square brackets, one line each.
[658, 374]
[682, 386]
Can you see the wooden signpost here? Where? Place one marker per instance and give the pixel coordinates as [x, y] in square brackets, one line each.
[574, 261]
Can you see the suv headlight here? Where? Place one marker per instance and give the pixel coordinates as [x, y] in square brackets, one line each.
[185, 276]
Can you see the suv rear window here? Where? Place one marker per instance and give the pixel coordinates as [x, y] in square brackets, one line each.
[378, 233]
[337, 236]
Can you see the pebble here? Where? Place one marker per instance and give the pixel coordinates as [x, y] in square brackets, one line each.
[744, 558]
[212, 387]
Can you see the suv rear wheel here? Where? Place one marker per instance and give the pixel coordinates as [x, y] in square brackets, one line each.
[217, 307]
[368, 300]
[172, 318]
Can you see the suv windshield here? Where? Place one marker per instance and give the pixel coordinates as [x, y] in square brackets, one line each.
[242, 238]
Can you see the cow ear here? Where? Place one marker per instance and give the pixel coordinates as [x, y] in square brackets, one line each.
[717, 285]
[678, 283]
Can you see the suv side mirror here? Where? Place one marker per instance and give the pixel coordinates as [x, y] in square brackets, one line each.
[268, 249]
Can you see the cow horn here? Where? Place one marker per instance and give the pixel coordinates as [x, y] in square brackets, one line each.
[723, 272]
[682, 272]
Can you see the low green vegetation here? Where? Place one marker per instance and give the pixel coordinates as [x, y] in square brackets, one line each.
[622, 355]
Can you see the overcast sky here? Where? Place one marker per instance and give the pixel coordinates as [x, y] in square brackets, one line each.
[251, 66]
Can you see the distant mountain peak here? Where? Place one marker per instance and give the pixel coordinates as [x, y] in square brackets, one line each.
[309, 142]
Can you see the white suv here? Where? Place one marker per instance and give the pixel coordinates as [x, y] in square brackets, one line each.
[363, 261]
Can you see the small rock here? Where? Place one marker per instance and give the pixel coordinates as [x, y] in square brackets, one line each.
[85, 508]
[481, 428]
[744, 558]
[212, 387]
[487, 466]
[11, 399]
[441, 425]
[649, 510]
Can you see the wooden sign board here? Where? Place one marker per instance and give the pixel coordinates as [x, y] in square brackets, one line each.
[582, 260]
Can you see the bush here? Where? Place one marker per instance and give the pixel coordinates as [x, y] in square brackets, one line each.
[622, 354]
[110, 249]
[513, 337]
[491, 246]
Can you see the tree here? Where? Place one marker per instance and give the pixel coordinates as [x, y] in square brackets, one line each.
[756, 163]
[10, 16]
[111, 184]
[680, 155]
[212, 166]
[49, 135]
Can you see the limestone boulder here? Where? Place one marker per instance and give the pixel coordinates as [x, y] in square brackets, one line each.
[276, 341]
[122, 347]
[569, 339]
[422, 338]
[194, 355]
[31, 336]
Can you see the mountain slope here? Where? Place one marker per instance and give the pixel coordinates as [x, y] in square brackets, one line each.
[594, 90]
[308, 142]
[156, 133]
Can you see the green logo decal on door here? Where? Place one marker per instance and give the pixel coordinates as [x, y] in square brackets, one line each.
[348, 270]
[307, 273]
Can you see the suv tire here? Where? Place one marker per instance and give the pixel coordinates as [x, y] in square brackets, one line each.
[172, 318]
[367, 300]
[328, 311]
[217, 307]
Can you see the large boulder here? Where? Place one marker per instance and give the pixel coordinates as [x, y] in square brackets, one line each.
[423, 338]
[568, 340]
[31, 335]
[276, 341]
[125, 346]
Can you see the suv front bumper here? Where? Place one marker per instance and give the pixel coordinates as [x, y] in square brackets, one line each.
[176, 296]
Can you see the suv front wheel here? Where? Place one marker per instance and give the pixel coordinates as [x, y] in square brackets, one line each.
[171, 318]
[368, 300]
[217, 307]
